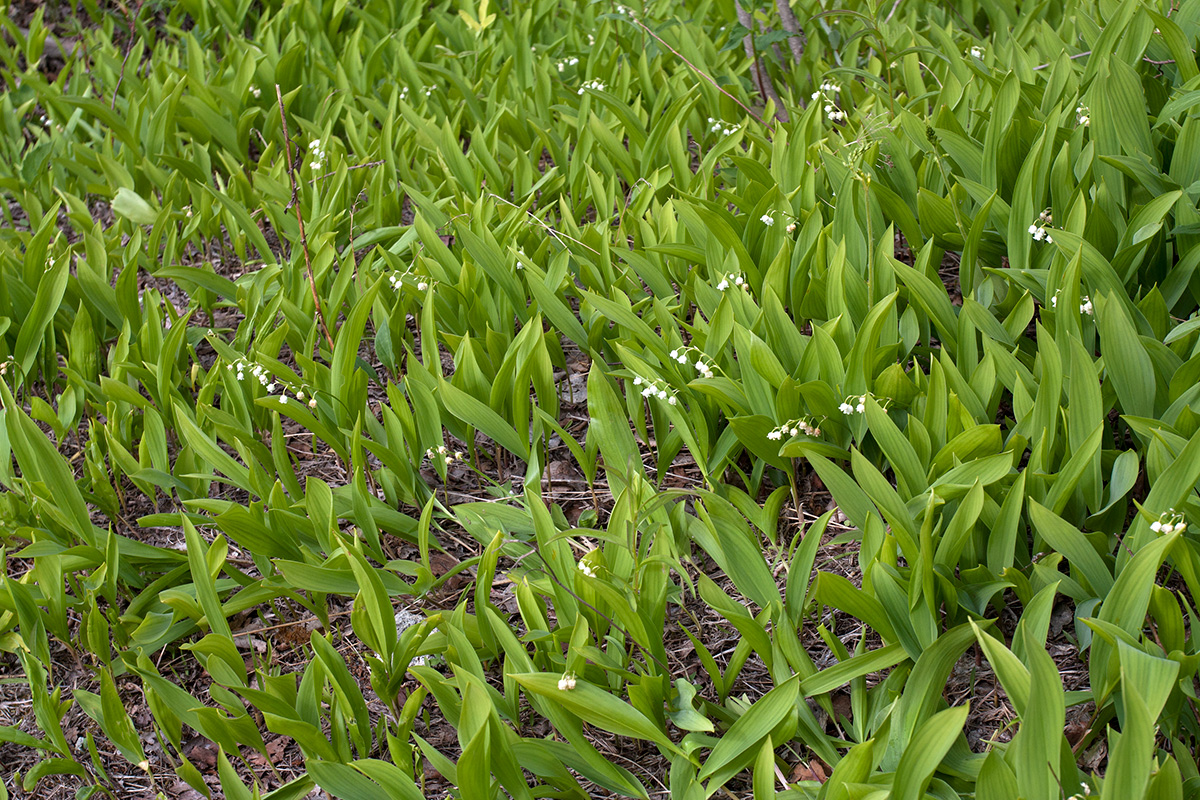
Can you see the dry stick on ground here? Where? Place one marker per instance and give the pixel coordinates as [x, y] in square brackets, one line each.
[796, 40]
[295, 203]
[761, 78]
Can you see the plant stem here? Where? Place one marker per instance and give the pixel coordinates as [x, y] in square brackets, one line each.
[295, 203]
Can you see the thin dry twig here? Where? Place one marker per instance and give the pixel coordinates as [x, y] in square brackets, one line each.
[701, 72]
[128, 50]
[558, 235]
[348, 169]
[295, 203]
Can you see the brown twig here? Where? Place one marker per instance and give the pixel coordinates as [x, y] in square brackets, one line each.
[128, 50]
[701, 72]
[761, 78]
[295, 203]
[355, 166]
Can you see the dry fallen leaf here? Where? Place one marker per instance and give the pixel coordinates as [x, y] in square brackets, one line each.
[812, 771]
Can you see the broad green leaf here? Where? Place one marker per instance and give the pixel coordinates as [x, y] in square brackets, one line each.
[750, 728]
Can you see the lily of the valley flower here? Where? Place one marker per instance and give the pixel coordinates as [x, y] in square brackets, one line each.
[854, 405]
[1170, 521]
[795, 427]
[735, 280]
[656, 389]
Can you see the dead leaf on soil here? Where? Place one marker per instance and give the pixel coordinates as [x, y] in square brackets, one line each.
[812, 771]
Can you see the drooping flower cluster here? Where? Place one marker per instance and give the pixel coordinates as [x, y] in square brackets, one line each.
[396, 280]
[828, 93]
[654, 388]
[567, 62]
[1085, 304]
[855, 404]
[255, 92]
[681, 355]
[257, 371]
[318, 154]
[977, 52]
[1170, 521]
[733, 280]
[444, 453]
[312, 401]
[767, 219]
[265, 379]
[585, 565]
[1040, 230]
[791, 227]
[592, 84]
[720, 126]
[1084, 790]
[1083, 115]
[795, 427]
[566, 683]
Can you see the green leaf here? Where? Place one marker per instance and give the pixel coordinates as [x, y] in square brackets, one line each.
[50, 290]
[597, 707]
[1125, 358]
[752, 727]
[1071, 542]
[925, 752]
[131, 205]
